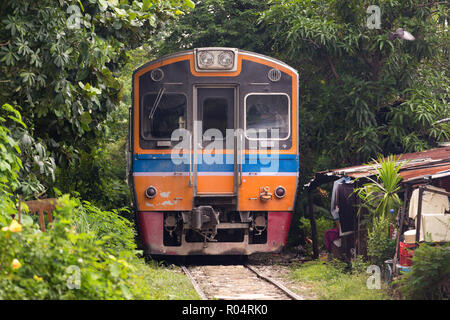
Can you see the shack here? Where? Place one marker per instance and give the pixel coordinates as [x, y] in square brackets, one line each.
[425, 190]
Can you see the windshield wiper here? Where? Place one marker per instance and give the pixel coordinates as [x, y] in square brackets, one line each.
[155, 104]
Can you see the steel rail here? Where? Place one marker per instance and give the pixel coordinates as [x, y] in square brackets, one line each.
[271, 281]
[194, 283]
[285, 290]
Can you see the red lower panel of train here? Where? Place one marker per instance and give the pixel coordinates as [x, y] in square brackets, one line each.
[152, 233]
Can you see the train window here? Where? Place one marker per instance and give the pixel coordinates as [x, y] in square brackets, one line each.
[163, 114]
[215, 114]
[267, 112]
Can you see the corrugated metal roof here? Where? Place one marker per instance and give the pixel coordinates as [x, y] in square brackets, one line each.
[434, 162]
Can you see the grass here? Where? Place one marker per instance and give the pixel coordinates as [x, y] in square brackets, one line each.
[330, 281]
[164, 283]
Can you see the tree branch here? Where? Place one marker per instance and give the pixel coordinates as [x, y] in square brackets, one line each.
[333, 69]
[442, 121]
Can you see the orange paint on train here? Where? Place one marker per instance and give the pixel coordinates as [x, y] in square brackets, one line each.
[215, 184]
[173, 193]
[250, 189]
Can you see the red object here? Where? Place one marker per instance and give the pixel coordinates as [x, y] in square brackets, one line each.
[406, 254]
[151, 224]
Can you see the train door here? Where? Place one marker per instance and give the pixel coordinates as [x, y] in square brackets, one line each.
[214, 148]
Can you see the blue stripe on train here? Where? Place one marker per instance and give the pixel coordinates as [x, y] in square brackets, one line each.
[229, 156]
[163, 163]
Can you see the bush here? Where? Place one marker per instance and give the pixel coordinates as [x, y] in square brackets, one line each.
[429, 277]
[37, 265]
[10, 163]
[322, 224]
[98, 176]
[359, 265]
[116, 232]
[379, 246]
[83, 240]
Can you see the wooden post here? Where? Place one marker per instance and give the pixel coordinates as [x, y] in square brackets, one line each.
[313, 226]
[400, 228]
[419, 215]
[358, 221]
[42, 220]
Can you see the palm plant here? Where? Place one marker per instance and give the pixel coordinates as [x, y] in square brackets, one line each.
[380, 194]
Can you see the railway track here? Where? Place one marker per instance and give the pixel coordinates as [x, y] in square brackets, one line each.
[236, 282]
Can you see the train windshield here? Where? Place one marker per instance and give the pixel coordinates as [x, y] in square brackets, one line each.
[267, 116]
[163, 114]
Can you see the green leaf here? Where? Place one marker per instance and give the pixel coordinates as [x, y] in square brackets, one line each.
[27, 221]
[85, 118]
[126, 292]
[190, 4]
[114, 268]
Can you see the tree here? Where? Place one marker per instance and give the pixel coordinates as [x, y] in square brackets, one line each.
[59, 61]
[219, 23]
[361, 93]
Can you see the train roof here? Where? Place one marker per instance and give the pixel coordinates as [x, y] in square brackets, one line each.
[191, 51]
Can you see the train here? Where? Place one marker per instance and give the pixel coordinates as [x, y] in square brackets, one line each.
[213, 162]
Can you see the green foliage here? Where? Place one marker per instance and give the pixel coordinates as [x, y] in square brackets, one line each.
[98, 176]
[429, 277]
[322, 224]
[97, 244]
[362, 94]
[379, 246]
[38, 165]
[115, 231]
[359, 265]
[333, 281]
[29, 160]
[319, 271]
[10, 163]
[219, 23]
[59, 62]
[45, 260]
[381, 195]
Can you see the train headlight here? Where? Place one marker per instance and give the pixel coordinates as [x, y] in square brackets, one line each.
[215, 59]
[226, 58]
[280, 192]
[205, 59]
[151, 192]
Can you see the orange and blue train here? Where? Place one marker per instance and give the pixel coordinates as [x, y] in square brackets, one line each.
[213, 161]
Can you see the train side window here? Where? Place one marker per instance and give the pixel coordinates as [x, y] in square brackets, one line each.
[163, 114]
[215, 114]
[267, 112]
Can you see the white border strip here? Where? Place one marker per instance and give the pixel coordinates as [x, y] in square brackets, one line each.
[270, 174]
[160, 174]
[216, 174]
